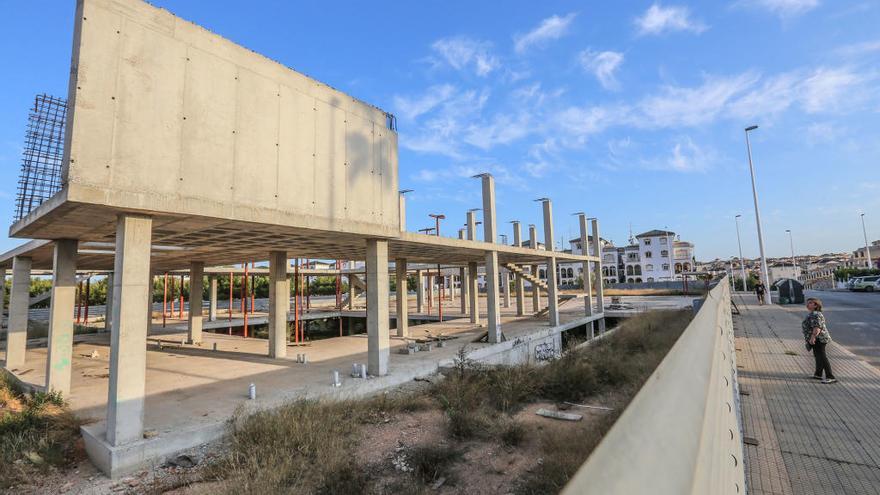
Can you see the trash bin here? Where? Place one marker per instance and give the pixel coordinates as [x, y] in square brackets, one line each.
[789, 291]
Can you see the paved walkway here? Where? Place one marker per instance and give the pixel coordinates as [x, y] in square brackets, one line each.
[811, 438]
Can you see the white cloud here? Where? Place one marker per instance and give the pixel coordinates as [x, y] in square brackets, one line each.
[603, 65]
[503, 129]
[859, 49]
[688, 157]
[462, 53]
[783, 8]
[551, 28]
[542, 158]
[825, 89]
[410, 108]
[692, 106]
[659, 19]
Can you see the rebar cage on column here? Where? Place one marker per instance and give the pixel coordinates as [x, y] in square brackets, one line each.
[40, 176]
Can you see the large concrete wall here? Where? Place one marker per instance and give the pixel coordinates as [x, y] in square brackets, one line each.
[169, 117]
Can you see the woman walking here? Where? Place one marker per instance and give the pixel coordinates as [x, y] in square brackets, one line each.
[817, 337]
[759, 291]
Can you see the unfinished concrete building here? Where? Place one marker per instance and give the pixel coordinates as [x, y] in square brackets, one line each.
[184, 152]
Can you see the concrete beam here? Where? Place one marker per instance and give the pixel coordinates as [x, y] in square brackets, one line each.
[19, 299]
[552, 282]
[128, 341]
[194, 322]
[278, 304]
[212, 298]
[60, 341]
[378, 340]
[402, 298]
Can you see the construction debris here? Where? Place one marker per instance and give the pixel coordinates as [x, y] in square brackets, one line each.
[559, 415]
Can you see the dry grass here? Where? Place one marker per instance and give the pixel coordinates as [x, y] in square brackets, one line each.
[37, 432]
[307, 446]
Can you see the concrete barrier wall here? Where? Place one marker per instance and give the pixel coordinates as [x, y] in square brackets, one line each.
[168, 117]
[681, 433]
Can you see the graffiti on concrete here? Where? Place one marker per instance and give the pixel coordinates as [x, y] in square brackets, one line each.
[546, 351]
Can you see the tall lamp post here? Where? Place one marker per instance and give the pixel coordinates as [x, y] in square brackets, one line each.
[867, 247]
[793, 261]
[764, 273]
[742, 265]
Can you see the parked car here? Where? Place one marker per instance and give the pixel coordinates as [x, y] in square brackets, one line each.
[867, 284]
[851, 282]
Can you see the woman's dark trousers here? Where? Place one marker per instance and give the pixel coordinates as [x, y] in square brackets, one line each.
[822, 363]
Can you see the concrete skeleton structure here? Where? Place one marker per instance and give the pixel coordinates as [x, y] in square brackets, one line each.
[179, 154]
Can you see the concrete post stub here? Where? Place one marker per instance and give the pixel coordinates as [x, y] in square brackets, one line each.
[60, 341]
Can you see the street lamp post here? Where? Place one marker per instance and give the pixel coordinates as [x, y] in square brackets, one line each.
[742, 265]
[764, 273]
[793, 261]
[867, 247]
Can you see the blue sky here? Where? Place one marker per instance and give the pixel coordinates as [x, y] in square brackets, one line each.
[630, 111]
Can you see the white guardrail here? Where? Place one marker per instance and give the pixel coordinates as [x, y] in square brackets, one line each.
[681, 434]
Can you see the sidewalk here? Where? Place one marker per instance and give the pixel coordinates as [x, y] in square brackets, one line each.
[811, 438]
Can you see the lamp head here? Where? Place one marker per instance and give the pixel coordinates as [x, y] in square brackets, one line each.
[751, 128]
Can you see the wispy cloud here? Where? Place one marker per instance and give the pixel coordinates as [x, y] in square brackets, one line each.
[464, 53]
[688, 157]
[603, 65]
[659, 19]
[410, 108]
[859, 49]
[690, 106]
[502, 129]
[783, 8]
[551, 28]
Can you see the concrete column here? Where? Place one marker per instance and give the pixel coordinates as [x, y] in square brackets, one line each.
[351, 289]
[519, 282]
[585, 249]
[378, 342]
[474, 293]
[552, 289]
[505, 286]
[108, 304]
[463, 289]
[60, 342]
[536, 291]
[402, 298]
[2, 296]
[401, 202]
[212, 298]
[430, 288]
[277, 304]
[472, 225]
[128, 341]
[597, 275]
[194, 323]
[420, 291]
[490, 233]
[19, 302]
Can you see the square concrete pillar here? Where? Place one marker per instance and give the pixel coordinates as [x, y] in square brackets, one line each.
[536, 291]
[19, 302]
[429, 279]
[402, 298]
[493, 309]
[552, 287]
[277, 304]
[108, 303]
[552, 292]
[585, 249]
[378, 340]
[505, 286]
[463, 289]
[597, 276]
[128, 341]
[2, 297]
[420, 291]
[194, 323]
[212, 298]
[474, 293]
[519, 285]
[60, 342]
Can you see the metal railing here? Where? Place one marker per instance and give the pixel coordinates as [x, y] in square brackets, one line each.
[681, 434]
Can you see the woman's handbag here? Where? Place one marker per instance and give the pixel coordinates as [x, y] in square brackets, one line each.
[808, 346]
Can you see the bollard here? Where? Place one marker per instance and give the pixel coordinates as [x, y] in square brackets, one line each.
[355, 370]
[363, 371]
[215, 346]
[334, 379]
[305, 359]
[252, 392]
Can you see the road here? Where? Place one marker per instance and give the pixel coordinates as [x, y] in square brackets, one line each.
[854, 321]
